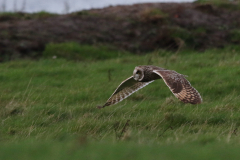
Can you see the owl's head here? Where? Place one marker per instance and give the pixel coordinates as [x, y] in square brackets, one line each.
[138, 74]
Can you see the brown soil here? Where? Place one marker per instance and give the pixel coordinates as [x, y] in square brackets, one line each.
[137, 28]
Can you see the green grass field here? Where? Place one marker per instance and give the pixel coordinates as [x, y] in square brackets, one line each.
[48, 108]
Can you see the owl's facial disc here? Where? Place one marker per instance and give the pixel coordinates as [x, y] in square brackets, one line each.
[138, 74]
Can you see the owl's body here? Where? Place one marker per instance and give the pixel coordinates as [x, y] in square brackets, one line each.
[143, 75]
[149, 75]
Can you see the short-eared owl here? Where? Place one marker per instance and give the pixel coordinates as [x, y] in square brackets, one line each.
[143, 75]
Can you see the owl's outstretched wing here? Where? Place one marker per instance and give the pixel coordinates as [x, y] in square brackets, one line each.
[125, 89]
[180, 86]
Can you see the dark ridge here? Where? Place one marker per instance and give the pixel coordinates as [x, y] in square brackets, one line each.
[138, 28]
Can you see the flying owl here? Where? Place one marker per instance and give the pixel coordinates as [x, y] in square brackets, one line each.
[144, 75]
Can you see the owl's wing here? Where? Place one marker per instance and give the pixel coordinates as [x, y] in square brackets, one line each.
[180, 86]
[125, 89]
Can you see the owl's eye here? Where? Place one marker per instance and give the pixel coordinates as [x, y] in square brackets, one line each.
[138, 72]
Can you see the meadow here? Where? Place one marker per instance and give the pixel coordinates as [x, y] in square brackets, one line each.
[48, 106]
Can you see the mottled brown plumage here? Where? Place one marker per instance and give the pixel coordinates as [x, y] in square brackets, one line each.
[143, 75]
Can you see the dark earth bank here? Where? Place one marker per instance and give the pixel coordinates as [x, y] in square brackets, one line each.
[139, 28]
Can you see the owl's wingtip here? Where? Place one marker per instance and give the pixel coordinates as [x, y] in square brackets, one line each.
[99, 107]
[198, 102]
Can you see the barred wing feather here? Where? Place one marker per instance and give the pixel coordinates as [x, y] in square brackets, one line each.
[125, 89]
[180, 86]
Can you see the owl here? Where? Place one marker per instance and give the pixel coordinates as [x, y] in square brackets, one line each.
[144, 75]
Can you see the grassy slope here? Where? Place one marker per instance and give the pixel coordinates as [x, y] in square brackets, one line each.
[48, 109]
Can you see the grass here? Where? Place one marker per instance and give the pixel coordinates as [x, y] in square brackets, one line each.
[77, 52]
[153, 15]
[56, 150]
[5, 16]
[226, 4]
[48, 109]
[235, 35]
